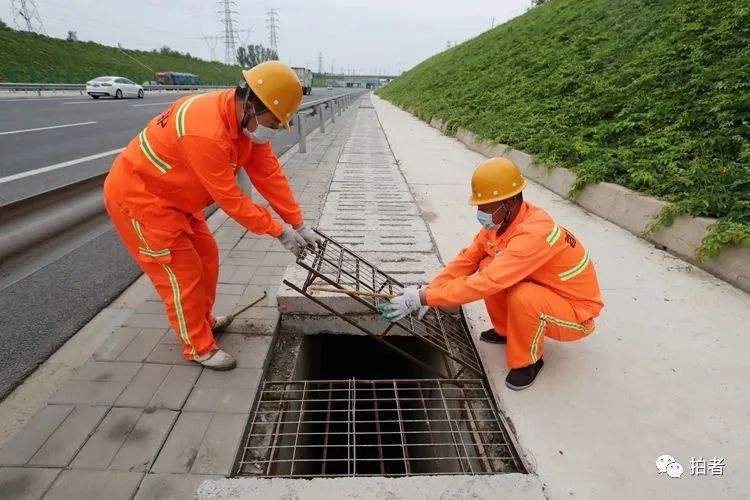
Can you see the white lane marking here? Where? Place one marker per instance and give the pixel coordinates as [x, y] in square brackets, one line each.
[91, 101]
[46, 128]
[35, 99]
[57, 166]
[152, 104]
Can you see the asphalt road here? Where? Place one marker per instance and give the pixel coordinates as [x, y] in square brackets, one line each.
[41, 311]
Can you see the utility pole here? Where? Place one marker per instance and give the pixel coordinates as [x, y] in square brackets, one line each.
[211, 42]
[26, 16]
[272, 24]
[227, 10]
[320, 63]
[332, 61]
[245, 35]
[493, 22]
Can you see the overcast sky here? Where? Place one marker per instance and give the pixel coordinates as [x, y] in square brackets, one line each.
[362, 35]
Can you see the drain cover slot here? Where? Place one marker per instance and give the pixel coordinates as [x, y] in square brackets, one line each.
[319, 428]
[334, 265]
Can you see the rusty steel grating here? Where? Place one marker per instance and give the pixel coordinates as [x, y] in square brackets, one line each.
[318, 428]
[334, 265]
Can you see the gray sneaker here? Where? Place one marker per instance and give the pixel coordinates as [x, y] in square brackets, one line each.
[217, 360]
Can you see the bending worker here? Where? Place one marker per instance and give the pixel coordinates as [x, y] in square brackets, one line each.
[182, 162]
[535, 276]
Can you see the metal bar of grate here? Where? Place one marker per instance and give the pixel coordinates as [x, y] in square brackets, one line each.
[335, 265]
[393, 427]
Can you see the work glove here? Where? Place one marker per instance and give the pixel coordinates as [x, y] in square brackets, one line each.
[291, 240]
[404, 304]
[313, 239]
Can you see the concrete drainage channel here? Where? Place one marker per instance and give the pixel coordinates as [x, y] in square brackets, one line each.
[356, 406]
[347, 394]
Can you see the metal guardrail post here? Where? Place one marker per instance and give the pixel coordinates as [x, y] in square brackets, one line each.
[319, 110]
[333, 112]
[302, 139]
[338, 107]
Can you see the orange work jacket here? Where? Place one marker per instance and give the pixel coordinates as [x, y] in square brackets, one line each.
[533, 248]
[187, 158]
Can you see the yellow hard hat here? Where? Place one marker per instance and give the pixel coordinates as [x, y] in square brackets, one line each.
[277, 86]
[494, 180]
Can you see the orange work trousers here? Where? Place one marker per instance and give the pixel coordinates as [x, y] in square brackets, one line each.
[527, 312]
[183, 267]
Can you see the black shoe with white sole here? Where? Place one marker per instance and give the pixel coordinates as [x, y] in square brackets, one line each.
[492, 337]
[521, 378]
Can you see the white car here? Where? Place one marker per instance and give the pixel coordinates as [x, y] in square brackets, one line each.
[113, 86]
[329, 88]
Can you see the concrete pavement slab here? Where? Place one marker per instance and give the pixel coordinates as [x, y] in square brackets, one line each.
[143, 386]
[144, 441]
[26, 483]
[84, 392]
[249, 351]
[181, 448]
[86, 484]
[216, 399]
[506, 486]
[662, 374]
[107, 439]
[220, 444]
[142, 345]
[115, 343]
[161, 486]
[64, 443]
[105, 371]
[32, 436]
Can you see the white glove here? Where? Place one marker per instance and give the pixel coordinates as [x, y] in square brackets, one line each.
[312, 238]
[291, 240]
[404, 304]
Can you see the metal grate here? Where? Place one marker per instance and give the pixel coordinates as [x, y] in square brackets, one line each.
[333, 264]
[314, 428]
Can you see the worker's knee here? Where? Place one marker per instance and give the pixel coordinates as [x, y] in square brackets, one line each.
[524, 295]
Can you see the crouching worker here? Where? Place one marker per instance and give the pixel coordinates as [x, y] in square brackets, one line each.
[535, 276]
[183, 161]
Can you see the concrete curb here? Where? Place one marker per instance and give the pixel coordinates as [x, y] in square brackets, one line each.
[628, 209]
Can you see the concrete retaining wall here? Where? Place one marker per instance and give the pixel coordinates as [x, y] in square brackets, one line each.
[628, 209]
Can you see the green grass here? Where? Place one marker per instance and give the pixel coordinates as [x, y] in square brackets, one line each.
[650, 94]
[28, 57]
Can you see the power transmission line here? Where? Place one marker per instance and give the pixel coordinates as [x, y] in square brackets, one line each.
[230, 30]
[26, 16]
[272, 24]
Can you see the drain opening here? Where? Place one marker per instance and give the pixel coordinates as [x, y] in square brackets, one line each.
[385, 419]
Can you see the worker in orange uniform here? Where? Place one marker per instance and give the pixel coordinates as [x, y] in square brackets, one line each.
[183, 161]
[535, 276]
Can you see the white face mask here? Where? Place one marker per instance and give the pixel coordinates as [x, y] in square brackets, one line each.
[261, 134]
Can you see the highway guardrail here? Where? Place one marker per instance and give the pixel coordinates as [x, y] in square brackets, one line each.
[30, 221]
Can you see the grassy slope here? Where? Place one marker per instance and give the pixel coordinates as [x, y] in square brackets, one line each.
[27, 57]
[650, 94]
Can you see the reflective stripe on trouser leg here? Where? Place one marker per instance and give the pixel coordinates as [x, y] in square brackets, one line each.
[176, 295]
[536, 312]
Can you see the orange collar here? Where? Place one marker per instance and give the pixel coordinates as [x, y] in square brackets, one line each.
[523, 212]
